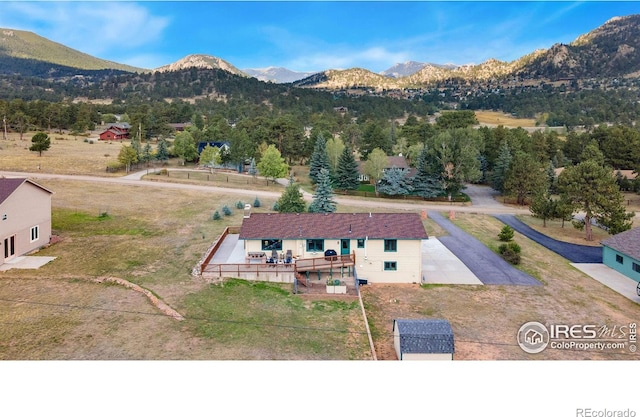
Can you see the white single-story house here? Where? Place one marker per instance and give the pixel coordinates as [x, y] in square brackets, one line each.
[386, 246]
[423, 339]
[25, 217]
[622, 253]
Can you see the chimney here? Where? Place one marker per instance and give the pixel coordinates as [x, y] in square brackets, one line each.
[247, 211]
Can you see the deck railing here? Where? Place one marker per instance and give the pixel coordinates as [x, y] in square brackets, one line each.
[228, 230]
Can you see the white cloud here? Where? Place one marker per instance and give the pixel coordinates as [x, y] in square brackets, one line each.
[97, 28]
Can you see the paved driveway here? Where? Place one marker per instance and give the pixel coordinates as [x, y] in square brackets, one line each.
[571, 251]
[482, 261]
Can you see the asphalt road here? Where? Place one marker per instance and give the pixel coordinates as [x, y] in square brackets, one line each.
[571, 251]
[490, 268]
[484, 205]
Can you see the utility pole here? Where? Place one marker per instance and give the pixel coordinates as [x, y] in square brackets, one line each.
[4, 132]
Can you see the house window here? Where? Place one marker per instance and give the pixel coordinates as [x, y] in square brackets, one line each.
[360, 243]
[315, 245]
[391, 266]
[35, 233]
[270, 244]
[390, 245]
[636, 267]
[619, 259]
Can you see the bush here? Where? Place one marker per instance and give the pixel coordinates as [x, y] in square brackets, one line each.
[506, 234]
[226, 210]
[510, 252]
[216, 216]
[256, 202]
[239, 205]
[276, 206]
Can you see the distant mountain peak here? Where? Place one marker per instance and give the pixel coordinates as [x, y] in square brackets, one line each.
[201, 61]
[276, 74]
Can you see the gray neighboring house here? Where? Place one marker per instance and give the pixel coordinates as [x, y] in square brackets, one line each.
[423, 339]
[622, 253]
[25, 217]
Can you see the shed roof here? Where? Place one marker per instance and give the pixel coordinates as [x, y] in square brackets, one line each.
[9, 185]
[627, 243]
[425, 335]
[333, 226]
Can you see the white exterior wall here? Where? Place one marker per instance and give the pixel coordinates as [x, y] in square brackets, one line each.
[427, 357]
[27, 207]
[369, 260]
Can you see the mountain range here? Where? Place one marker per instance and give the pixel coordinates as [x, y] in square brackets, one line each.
[611, 50]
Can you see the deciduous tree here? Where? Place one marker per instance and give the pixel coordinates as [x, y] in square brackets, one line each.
[272, 164]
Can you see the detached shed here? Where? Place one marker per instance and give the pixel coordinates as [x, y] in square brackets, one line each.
[423, 339]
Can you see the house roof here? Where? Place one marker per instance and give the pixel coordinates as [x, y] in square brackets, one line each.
[333, 226]
[627, 243]
[392, 162]
[9, 185]
[425, 335]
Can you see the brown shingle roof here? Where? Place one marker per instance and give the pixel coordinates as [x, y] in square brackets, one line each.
[626, 242]
[333, 226]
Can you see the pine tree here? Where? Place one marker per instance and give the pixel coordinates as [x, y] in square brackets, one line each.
[323, 198]
[500, 167]
[425, 182]
[319, 159]
[146, 153]
[291, 200]
[163, 151]
[395, 182]
[347, 175]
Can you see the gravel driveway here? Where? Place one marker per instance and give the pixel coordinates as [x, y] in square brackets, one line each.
[482, 261]
[571, 251]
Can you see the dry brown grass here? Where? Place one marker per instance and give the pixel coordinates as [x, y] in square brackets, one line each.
[152, 238]
[67, 155]
[486, 319]
[504, 119]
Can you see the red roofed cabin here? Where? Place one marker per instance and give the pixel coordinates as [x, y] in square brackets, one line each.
[116, 131]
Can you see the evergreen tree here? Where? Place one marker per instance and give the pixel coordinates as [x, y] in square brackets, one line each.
[163, 151]
[319, 159]
[253, 170]
[146, 153]
[589, 187]
[291, 200]
[323, 198]
[395, 182]
[525, 177]
[543, 207]
[40, 143]
[425, 182]
[347, 175]
[500, 167]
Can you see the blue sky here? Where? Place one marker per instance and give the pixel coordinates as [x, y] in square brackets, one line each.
[310, 35]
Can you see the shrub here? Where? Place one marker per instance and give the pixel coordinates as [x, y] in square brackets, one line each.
[276, 206]
[216, 215]
[239, 205]
[226, 210]
[506, 234]
[510, 252]
[256, 202]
